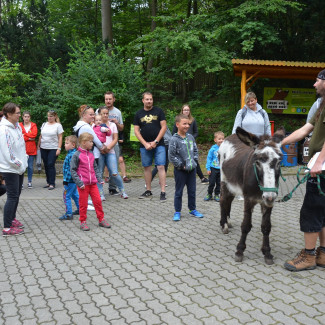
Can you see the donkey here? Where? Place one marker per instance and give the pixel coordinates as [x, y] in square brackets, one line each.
[250, 166]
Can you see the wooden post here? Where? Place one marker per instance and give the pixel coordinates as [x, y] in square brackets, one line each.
[243, 87]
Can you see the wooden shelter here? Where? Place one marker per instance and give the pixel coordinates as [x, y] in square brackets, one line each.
[251, 70]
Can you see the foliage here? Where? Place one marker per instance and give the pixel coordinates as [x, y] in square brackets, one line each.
[90, 73]
[11, 80]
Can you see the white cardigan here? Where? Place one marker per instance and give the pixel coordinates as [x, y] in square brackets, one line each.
[13, 157]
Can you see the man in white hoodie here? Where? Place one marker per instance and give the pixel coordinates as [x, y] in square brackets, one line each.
[13, 163]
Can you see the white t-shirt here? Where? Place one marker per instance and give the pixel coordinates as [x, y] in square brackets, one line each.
[109, 139]
[50, 135]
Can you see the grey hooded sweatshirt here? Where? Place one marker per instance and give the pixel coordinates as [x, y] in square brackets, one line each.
[183, 152]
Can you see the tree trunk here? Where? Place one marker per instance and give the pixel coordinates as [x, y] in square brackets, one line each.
[195, 9]
[153, 11]
[189, 7]
[107, 26]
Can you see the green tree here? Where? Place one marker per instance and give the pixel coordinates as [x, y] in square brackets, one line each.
[90, 73]
[12, 80]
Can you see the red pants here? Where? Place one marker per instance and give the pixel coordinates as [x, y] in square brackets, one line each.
[91, 190]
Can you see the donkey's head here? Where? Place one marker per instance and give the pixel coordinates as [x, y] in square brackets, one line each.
[266, 161]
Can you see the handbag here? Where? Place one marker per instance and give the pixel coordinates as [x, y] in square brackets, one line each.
[39, 161]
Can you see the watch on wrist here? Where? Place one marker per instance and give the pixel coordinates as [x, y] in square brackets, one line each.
[156, 141]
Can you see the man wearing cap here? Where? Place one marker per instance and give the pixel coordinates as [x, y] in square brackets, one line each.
[312, 213]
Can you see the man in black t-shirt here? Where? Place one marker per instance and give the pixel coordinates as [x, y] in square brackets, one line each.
[150, 127]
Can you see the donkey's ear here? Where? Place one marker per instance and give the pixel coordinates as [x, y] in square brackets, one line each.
[279, 135]
[249, 139]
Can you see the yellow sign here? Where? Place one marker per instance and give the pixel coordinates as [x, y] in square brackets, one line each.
[132, 135]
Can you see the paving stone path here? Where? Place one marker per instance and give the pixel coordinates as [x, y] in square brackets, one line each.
[148, 269]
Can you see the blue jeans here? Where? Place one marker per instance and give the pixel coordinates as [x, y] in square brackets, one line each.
[14, 183]
[183, 178]
[49, 158]
[70, 192]
[159, 153]
[30, 168]
[155, 169]
[109, 159]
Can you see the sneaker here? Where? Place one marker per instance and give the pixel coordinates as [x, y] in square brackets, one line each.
[75, 212]
[177, 216]
[163, 196]
[90, 202]
[51, 187]
[113, 192]
[302, 261]
[106, 180]
[126, 180]
[320, 257]
[66, 217]
[12, 232]
[124, 195]
[17, 224]
[104, 224]
[208, 197]
[217, 198]
[196, 214]
[146, 194]
[30, 185]
[83, 226]
[240, 198]
[204, 181]
[102, 197]
[90, 208]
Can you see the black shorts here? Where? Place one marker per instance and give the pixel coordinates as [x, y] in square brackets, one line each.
[312, 213]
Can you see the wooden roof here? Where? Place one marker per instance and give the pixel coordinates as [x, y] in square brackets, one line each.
[278, 69]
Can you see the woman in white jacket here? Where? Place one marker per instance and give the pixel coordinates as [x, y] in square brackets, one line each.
[13, 163]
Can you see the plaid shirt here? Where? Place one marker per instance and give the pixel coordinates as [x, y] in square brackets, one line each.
[66, 167]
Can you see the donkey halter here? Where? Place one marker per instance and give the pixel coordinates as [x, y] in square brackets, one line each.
[265, 189]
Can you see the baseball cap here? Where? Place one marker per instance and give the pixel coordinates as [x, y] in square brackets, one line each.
[321, 75]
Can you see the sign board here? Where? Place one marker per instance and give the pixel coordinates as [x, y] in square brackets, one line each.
[132, 135]
[288, 100]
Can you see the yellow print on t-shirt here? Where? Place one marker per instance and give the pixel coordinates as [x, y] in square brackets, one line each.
[149, 118]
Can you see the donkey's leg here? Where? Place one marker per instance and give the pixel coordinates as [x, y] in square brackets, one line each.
[266, 229]
[246, 227]
[226, 199]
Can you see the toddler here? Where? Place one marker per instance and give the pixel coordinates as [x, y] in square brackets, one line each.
[213, 168]
[102, 130]
[69, 187]
[85, 174]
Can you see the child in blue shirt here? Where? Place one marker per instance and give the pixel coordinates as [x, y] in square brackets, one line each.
[213, 168]
[69, 187]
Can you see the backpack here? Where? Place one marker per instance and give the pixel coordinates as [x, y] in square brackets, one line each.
[261, 111]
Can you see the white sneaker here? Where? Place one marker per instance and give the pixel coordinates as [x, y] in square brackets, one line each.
[90, 202]
[102, 197]
[240, 198]
[90, 208]
[124, 195]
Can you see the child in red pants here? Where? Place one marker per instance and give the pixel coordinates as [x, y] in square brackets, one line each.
[85, 174]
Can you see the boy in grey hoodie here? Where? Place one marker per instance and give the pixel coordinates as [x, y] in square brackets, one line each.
[183, 154]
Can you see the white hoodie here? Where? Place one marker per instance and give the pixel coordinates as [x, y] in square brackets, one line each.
[13, 157]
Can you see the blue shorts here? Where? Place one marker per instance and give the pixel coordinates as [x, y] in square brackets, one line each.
[159, 154]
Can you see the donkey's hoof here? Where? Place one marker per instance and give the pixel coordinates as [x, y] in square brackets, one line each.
[239, 258]
[229, 224]
[268, 261]
[225, 229]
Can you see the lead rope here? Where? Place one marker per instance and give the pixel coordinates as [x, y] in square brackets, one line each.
[301, 181]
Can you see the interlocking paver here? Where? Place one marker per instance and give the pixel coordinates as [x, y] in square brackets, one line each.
[147, 269]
